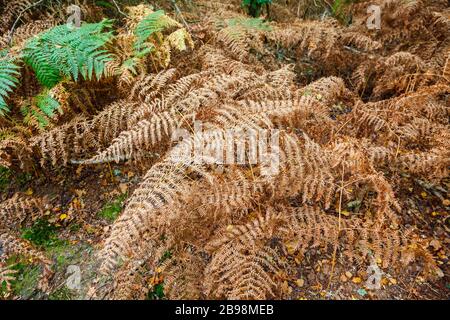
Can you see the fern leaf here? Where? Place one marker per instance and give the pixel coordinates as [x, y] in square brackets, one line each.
[8, 80]
[62, 52]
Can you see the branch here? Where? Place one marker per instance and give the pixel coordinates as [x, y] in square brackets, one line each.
[118, 8]
[11, 32]
[181, 15]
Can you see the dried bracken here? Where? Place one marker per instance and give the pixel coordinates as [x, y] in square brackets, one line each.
[257, 139]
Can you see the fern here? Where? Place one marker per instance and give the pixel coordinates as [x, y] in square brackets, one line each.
[41, 109]
[151, 25]
[8, 79]
[63, 52]
[256, 24]
[254, 6]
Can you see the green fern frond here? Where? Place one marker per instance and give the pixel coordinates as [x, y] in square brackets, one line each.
[151, 25]
[65, 51]
[40, 111]
[249, 24]
[8, 79]
[254, 6]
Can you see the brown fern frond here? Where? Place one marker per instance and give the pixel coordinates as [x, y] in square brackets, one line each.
[15, 149]
[181, 276]
[7, 275]
[242, 266]
[14, 211]
[142, 138]
[147, 87]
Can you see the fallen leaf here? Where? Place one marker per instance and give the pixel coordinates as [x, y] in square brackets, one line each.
[80, 192]
[63, 216]
[435, 244]
[356, 280]
[345, 213]
[123, 187]
[300, 282]
[29, 192]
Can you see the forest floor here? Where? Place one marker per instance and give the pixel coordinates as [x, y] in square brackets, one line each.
[91, 198]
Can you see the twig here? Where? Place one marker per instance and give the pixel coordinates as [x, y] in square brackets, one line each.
[118, 8]
[333, 262]
[181, 15]
[11, 32]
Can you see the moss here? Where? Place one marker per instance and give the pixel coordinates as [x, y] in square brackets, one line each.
[62, 293]
[5, 176]
[157, 293]
[111, 210]
[42, 234]
[27, 277]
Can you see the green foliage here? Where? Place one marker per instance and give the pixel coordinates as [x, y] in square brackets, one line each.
[42, 234]
[157, 293]
[8, 79]
[67, 52]
[5, 176]
[63, 293]
[42, 107]
[249, 24]
[340, 12]
[148, 28]
[112, 209]
[27, 277]
[254, 6]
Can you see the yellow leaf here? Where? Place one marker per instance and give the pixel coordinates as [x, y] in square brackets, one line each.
[63, 216]
[393, 281]
[300, 282]
[423, 194]
[290, 247]
[357, 280]
[29, 192]
[345, 213]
